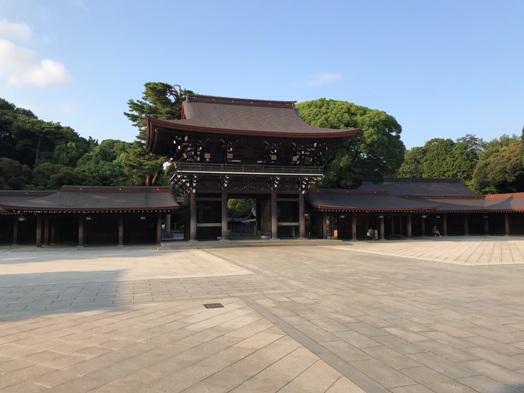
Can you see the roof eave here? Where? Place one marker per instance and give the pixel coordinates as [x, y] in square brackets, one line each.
[335, 134]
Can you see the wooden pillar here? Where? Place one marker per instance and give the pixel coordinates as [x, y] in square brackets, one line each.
[39, 230]
[15, 230]
[168, 224]
[423, 225]
[158, 228]
[506, 224]
[353, 226]
[466, 226]
[445, 224]
[409, 227]
[274, 215]
[121, 230]
[301, 216]
[486, 225]
[46, 230]
[224, 215]
[192, 216]
[81, 231]
[382, 227]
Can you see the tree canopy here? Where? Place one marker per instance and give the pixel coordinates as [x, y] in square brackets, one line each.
[29, 146]
[501, 168]
[486, 167]
[442, 158]
[160, 100]
[375, 153]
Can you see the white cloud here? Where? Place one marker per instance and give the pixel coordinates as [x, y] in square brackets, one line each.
[324, 78]
[14, 31]
[21, 66]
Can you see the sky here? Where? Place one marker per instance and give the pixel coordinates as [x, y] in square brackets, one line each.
[443, 69]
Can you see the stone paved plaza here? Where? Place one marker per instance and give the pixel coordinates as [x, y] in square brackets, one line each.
[437, 315]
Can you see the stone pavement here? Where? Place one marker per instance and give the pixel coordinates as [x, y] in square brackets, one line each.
[434, 315]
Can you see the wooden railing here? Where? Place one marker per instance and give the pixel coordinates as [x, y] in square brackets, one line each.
[192, 168]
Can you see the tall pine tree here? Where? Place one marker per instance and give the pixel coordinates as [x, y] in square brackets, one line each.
[160, 100]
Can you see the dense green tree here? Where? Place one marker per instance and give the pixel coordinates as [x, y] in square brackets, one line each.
[49, 176]
[376, 152]
[502, 171]
[239, 207]
[496, 145]
[13, 174]
[31, 142]
[447, 159]
[160, 100]
[475, 145]
[442, 158]
[103, 164]
[412, 165]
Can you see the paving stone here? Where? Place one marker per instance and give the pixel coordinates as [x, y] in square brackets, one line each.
[280, 373]
[24, 387]
[508, 362]
[259, 340]
[317, 378]
[381, 373]
[495, 372]
[386, 316]
[78, 385]
[412, 389]
[343, 385]
[436, 381]
[53, 378]
[346, 351]
[484, 384]
[390, 357]
[442, 365]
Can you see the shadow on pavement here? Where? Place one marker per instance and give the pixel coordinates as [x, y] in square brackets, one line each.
[25, 296]
[36, 255]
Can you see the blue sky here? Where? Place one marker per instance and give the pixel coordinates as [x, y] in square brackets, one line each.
[442, 68]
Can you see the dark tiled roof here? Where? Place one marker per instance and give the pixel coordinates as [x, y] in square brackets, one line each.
[362, 201]
[8, 196]
[420, 187]
[98, 199]
[481, 204]
[242, 117]
[441, 195]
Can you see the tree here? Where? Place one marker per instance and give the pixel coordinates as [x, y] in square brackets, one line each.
[442, 158]
[496, 145]
[103, 164]
[13, 174]
[31, 141]
[376, 152]
[237, 207]
[160, 100]
[412, 165]
[49, 176]
[502, 171]
[475, 145]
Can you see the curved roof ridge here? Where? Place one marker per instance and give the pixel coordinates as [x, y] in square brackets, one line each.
[115, 189]
[239, 101]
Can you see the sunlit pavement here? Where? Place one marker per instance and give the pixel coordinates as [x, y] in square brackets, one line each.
[433, 315]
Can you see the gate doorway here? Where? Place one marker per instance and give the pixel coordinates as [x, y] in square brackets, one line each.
[242, 217]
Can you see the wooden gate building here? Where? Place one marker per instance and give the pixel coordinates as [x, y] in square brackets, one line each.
[239, 148]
